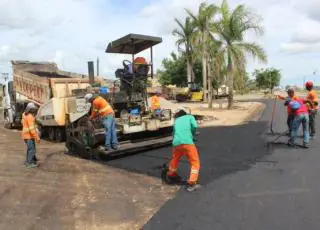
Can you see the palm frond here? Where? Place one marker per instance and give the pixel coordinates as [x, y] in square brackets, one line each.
[253, 50]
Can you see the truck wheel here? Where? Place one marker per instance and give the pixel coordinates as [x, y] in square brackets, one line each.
[42, 131]
[59, 134]
[7, 123]
[52, 134]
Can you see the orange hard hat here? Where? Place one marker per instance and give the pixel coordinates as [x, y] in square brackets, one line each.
[309, 84]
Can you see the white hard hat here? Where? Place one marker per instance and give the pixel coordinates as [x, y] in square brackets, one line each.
[182, 109]
[30, 106]
[88, 96]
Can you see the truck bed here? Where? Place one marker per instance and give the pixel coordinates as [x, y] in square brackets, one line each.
[40, 81]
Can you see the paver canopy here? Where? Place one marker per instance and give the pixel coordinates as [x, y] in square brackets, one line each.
[132, 44]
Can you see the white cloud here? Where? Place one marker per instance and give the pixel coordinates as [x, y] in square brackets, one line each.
[72, 32]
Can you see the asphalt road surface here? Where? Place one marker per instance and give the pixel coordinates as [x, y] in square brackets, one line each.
[248, 185]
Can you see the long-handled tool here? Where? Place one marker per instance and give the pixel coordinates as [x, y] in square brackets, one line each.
[272, 115]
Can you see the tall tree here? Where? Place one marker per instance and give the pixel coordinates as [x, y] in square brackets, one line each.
[232, 28]
[267, 78]
[184, 38]
[203, 22]
[174, 70]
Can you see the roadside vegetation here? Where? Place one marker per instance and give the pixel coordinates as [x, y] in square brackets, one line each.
[213, 49]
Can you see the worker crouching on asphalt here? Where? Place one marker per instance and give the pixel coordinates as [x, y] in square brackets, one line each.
[291, 96]
[312, 104]
[184, 129]
[301, 115]
[102, 109]
[30, 135]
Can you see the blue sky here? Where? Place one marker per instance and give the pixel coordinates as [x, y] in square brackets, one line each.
[71, 32]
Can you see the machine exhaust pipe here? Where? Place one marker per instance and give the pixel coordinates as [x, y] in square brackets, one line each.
[91, 72]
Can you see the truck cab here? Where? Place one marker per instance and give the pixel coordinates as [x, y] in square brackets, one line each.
[12, 108]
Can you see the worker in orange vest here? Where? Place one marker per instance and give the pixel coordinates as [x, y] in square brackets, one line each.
[184, 130]
[312, 105]
[103, 110]
[30, 134]
[155, 103]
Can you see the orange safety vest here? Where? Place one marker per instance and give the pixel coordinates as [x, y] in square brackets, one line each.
[312, 96]
[29, 128]
[100, 107]
[155, 103]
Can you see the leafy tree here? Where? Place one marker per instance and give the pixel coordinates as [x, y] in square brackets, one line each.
[203, 22]
[184, 35]
[174, 71]
[267, 78]
[232, 28]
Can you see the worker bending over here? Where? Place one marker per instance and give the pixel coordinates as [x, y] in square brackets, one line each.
[101, 109]
[291, 96]
[312, 104]
[300, 113]
[155, 103]
[30, 134]
[184, 129]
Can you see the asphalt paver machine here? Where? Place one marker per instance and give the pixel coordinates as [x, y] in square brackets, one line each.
[137, 127]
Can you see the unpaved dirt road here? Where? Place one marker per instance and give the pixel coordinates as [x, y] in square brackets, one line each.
[66, 192]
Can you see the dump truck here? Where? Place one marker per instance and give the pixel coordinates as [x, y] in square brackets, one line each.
[137, 127]
[48, 87]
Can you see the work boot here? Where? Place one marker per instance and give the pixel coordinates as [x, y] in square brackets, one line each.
[173, 179]
[115, 147]
[192, 187]
[291, 144]
[32, 165]
[305, 145]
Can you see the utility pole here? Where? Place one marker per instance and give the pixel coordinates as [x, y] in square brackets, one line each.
[98, 64]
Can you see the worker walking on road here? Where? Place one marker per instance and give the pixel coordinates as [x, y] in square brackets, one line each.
[102, 109]
[291, 96]
[312, 104]
[300, 112]
[30, 134]
[184, 129]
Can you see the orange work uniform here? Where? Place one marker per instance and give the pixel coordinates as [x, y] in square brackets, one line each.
[100, 107]
[183, 145]
[29, 128]
[312, 96]
[155, 103]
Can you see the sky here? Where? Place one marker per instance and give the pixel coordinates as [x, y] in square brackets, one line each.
[72, 32]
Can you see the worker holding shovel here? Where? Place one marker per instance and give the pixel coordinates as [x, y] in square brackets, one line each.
[185, 127]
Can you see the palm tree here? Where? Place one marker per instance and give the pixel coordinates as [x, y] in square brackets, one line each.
[184, 35]
[202, 35]
[232, 28]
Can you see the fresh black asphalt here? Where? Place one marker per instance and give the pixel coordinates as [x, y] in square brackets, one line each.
[247, 184]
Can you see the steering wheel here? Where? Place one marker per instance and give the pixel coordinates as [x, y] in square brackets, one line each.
[126, 64]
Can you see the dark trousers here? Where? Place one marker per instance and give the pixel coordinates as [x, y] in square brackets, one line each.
[289, 122]
[312, 122]
[31, 151]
